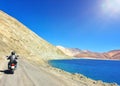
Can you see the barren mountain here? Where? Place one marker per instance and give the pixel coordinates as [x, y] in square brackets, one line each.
[69, 52]
[114, 54]
[15, 36]
[75, 52]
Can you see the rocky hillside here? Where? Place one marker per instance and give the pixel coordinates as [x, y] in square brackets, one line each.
[68, 51]
[15, 36]
[75, 52]
[114, 54]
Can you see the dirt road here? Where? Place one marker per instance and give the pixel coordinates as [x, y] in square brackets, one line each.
[28, 75]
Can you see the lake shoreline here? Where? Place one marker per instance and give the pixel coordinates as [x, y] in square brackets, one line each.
[79, 74]
[89, 59]
[80, 78]
[72, 79]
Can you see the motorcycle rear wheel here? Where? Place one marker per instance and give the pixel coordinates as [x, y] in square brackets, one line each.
[12, 71]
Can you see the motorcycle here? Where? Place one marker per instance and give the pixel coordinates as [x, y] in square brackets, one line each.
[12, 67]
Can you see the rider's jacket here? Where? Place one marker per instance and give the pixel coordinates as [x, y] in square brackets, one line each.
[12, 58]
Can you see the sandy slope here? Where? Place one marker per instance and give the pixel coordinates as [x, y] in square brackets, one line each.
[16, 36]
[31, 74]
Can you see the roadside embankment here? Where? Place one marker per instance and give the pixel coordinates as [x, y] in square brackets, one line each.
[72, 79]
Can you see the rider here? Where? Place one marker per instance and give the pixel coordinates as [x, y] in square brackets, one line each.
[12, 59]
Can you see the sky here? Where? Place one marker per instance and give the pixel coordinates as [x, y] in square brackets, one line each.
[85, 24]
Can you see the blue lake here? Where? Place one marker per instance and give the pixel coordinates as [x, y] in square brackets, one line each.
[105, 70]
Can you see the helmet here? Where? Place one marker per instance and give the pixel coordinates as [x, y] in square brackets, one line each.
[13, 52]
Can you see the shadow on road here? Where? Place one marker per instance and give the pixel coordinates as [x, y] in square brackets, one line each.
[6, 71]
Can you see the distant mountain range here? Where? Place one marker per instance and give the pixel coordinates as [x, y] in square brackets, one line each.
[75, 52]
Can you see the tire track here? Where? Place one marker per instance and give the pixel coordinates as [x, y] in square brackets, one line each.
[27, 76]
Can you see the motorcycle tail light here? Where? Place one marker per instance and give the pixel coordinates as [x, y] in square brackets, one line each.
[12, 64]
